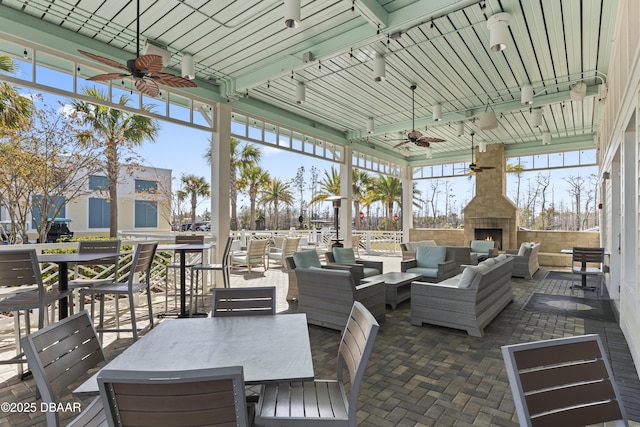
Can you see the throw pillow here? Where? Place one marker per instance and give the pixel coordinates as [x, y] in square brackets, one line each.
[501, 257]
[306, 259]
[467, 276]
[430, 256]
[523, 248]
[489, 261]
[344, 255]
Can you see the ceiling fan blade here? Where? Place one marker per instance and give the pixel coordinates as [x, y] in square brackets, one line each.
[147, 87]
[150, 64]
[423, 142]
[401, 144]
[104, 60]
[172, 81]
[109, 76]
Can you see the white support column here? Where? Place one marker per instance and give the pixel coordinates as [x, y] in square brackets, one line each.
[346, 192]
[220, 170]
[406, 179]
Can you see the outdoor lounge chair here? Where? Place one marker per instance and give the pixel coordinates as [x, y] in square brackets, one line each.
[324, 402]
[287, 247]
[255, 255]
[347, 256]
[563, 382]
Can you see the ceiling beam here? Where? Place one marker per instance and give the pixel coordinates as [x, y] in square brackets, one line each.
[291, 60]
[375, 14]
[502, 107]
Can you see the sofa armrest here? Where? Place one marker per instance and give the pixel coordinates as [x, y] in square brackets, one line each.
[356, 270]
[371, 264]
[493, 252]
[405, 265]
[447, 269]
[512, 251]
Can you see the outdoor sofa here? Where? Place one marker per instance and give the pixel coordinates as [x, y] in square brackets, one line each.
[467, 301]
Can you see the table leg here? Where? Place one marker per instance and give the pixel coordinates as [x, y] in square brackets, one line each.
[183, 284]
[63, 286]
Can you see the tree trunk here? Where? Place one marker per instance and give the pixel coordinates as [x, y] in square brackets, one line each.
[112, 176]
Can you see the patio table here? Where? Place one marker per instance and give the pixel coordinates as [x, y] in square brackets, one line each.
[183, 249]
[270, 348]
[63, 260]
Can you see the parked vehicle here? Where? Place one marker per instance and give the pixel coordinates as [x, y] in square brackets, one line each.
[59, 231]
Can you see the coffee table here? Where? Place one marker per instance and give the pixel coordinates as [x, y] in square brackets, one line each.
[397, 286]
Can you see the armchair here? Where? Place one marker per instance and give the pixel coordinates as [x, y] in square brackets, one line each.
[431, 263]
[525, 260]
[326, 296]
[483, 249]
[346, 256]
[287, 247]
[409, 248]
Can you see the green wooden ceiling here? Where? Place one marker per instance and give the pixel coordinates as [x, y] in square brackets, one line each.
[245, 54]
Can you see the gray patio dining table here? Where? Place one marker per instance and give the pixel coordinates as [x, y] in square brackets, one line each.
[270, 348]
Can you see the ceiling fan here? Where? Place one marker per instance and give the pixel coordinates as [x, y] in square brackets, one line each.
[146, 70]
[415, 136]
[472, 166]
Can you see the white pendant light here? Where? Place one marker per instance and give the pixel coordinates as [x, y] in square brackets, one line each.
[546, 138]
[292, 13]
[579, 91]
[526, 95]
[498, 26]
[488, 121]
[536, 117]
[188, 67]
[370, 125]
[300, 93]
[437, 112]
[379, 74]
[460, 128]
[428, 153]
[482, 147]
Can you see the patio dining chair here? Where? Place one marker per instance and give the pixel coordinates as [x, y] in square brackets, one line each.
[580, 261]
[243, 301]
[142, 263]
[58, 355]
[202, 267]
[212, 397]
[324, 402]
[22, 291]
[563, 382]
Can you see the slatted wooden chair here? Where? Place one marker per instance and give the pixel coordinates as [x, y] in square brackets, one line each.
[581, 259]
[243, 301]
[563, 382]
[324, 402]
[212, 397]
[255, 255]
[58, 355]
[142, 263]
[23, 291]
[287, 247]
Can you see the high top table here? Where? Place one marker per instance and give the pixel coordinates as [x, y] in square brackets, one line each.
[270, 348]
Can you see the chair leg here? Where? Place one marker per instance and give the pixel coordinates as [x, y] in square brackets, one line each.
[132, 309]
[101, 322]
[150, 306]
[16, 329]
[191, 293]
[117, 304]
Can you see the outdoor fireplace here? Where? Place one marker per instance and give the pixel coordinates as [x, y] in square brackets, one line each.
[494, 234]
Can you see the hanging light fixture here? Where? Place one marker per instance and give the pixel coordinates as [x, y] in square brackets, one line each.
[379, 74]
[526, 95]
[546, 138]
[579, 91]
[437, 112]
[498, 26]
[370, 125]
[536, 117]
[488, 121]
[460, 128]
[482, 147]
[188, 67]
[428, 153]
[292, 13]
[300, 93]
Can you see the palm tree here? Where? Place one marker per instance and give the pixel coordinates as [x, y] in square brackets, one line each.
[241, 156]
[277, 191]
[329, 186]
[387, 190]
[115, 131]
[361, 183]
[194, 187]
[15, 109]
[252, 180]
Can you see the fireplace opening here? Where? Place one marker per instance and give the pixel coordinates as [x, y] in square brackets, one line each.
[494, 234]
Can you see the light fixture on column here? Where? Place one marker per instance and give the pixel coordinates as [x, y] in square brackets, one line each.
[498, 26]
[428, 152]
[437, 112]
[379, 74]
[482, 147]
[188, 67]
[460, 128]
[292, 13]
[536, 117]
[488, 121]
[370, 125]
[300, 93]
[579, 91]
[546, 138]
[526, 95]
